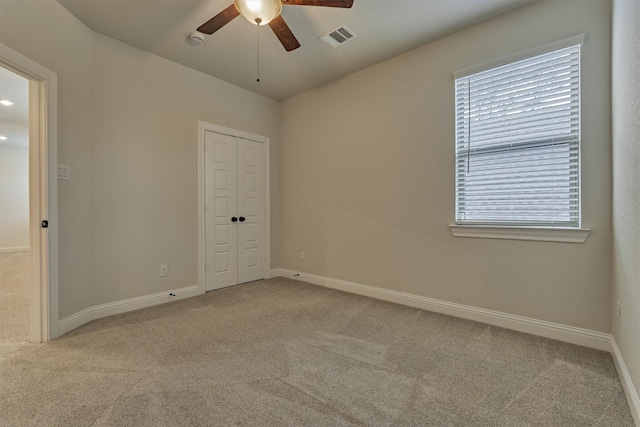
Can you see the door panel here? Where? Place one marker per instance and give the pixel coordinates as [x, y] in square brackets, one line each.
[221, 203]
[251, 245]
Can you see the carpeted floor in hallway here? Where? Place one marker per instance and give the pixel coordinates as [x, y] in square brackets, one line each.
[14, 297]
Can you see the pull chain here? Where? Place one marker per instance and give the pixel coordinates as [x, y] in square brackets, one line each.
[258, 21]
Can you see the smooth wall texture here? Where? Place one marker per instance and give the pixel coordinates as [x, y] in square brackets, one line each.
[367, 178]
[46, 33]
[145, 111]
[127, 127]
[626, 181]
[14, 198]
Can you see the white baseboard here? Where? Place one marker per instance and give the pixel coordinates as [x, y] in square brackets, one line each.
[570, 334]
[14, 249]
[627, 383]
[103, 310]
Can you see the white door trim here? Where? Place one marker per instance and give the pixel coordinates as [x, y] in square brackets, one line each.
[43, 189]
[202, 128]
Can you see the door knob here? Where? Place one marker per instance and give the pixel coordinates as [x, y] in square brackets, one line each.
[234, 219]
[242, 219]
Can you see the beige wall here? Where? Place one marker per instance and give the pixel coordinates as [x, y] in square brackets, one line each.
[144, 118]
[46, 33]
[127, 125]
[367, 178]
[14, 197]
[626, 181]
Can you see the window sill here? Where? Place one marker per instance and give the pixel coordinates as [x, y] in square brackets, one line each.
[543, 234]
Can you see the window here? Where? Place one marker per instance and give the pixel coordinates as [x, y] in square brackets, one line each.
[518, 142]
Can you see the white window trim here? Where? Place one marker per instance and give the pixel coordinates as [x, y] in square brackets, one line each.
[542, 234]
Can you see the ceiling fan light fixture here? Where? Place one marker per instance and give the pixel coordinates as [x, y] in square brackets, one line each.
[259, 12]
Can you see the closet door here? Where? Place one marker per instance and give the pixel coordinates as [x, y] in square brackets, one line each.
[234, 211]
[221, 216]
[251, 242]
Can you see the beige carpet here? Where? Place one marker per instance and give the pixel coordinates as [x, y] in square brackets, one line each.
[284, 353]
[14, 296]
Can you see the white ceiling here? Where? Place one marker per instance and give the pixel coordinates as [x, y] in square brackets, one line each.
[385, 28]
[14, 119]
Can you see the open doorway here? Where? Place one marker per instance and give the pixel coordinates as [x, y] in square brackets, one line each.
[15, 258]
[42, 272]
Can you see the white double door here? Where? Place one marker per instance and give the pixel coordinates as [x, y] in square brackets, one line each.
[234, 210]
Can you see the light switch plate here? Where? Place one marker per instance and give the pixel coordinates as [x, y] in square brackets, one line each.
[63, 172]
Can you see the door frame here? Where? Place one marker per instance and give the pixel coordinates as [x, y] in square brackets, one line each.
[43, 190]
[202, 128]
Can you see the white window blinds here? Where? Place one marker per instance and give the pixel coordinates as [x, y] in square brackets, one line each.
[517, 142]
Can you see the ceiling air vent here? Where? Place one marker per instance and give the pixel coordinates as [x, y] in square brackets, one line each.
[338, 36]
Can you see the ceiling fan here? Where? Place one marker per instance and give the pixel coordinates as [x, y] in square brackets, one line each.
[263, 12]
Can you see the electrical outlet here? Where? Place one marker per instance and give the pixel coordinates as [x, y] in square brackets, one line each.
[301, 256]
[164, 270]
[618, 312]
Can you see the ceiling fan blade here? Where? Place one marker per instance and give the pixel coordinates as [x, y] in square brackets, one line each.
[326, 3]
[284, 34]
[219, 21]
